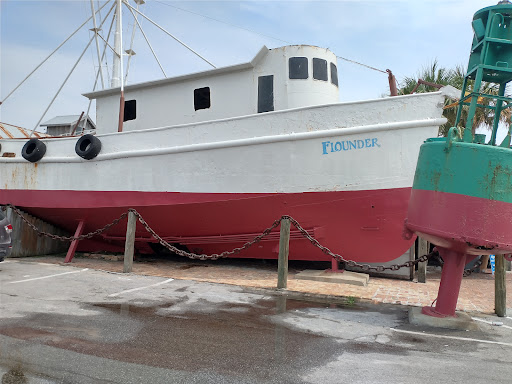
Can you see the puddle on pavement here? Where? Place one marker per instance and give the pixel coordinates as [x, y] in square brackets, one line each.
[234, 339]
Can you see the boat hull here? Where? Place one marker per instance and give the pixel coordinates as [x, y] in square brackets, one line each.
[344, 171]
[359, 225]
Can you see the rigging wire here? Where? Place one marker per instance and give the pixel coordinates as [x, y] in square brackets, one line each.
[261, 34]
[64, 83]
[131, 53]
[102, 57]
[364, 65]
[168, 33]
[223, 22]
[96, 30]
[149, 44]
[65, 80]
[50, 55]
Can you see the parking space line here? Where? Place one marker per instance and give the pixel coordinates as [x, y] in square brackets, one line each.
[140, 288]
[491, 323]
[451, 337]
[47, 277]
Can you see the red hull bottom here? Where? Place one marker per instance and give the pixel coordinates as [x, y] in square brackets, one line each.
[359, 225]
[466, 224]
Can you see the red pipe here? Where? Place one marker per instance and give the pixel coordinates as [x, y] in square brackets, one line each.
[121, 113]
[451, 278]
[392, 83]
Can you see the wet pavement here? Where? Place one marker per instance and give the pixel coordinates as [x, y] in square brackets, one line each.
[476, 294]
[63, 324]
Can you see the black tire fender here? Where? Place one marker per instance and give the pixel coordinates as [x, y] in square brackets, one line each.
[88, 147]
[33, 150]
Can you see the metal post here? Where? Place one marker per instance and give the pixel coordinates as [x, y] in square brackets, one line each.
[392, 83]
[459, 108]
[284, 247]
[500, 287]
[497, 114]
[449, 287]
[130, 242]
[468, 131]
[74, 244]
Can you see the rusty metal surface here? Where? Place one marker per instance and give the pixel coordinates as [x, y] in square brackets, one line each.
[27, 242]
[8, 131]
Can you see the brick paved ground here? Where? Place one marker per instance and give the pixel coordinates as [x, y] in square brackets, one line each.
[477, 291]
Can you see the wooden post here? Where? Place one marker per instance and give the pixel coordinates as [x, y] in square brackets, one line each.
[500, 288]
[130, 242]
[284, 247]
[422, 267]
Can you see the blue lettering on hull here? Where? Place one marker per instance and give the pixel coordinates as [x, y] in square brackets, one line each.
[348, 145]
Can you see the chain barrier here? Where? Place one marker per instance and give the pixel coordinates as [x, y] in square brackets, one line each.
[67, 238]
[315, 242]
[195, 256]
[215, 256]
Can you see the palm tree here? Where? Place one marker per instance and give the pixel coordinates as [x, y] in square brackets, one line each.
[436, 74]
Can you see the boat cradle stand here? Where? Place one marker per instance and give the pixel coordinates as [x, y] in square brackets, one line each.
[74, 244]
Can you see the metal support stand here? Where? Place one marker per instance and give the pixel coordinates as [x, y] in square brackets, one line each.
[449, 287]
[74, 244]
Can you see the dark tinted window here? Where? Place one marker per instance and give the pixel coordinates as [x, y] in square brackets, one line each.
[1, 215]
[202, 98]
[334, 74]
[265, 93]
[130, 110]
[298, 67]
[319, 69]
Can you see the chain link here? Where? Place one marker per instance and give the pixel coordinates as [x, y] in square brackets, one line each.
[477, 265]
[67, 238]
[215, 256]
[351, 263]
[315, 242]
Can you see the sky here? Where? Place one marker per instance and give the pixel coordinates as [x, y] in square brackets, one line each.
[402, 35]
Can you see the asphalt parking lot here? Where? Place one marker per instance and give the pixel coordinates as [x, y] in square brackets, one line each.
[62, 324]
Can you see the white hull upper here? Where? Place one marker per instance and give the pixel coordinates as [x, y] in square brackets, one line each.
[277, 152]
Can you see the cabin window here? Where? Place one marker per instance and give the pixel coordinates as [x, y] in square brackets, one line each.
[265, 93]
[334, 74]
[130, 110]
[298, 67]
[202, 98]
[319, 69]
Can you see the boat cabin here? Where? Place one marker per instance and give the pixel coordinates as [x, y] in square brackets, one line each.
[276, 79]
[67, 125]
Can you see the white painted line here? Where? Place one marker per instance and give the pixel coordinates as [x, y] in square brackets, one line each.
[508, 317]
[138, 289]
[451, 337]
[47, 277]
[491, 323]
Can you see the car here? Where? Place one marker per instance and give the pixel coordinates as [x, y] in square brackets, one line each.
[5, 236]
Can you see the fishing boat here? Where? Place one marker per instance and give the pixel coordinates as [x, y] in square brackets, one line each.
[210, 159]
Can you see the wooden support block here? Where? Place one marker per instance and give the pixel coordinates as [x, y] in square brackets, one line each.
[423, 249]
[500, 288]
[284, 248]
[130, 242]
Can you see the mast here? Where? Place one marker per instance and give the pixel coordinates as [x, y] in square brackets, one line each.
[117, 71]
[118, 50]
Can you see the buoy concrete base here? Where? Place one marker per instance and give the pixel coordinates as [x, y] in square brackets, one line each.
[461, 320]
